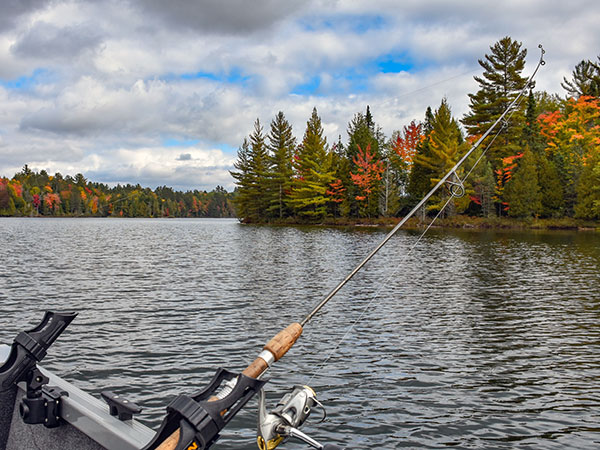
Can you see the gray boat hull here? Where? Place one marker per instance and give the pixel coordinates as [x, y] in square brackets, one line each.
[86, 422]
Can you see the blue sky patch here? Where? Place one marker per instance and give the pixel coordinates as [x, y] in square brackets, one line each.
[26, 82]
[358, 24]
[394, 64]
[308, 88]
[234, 76]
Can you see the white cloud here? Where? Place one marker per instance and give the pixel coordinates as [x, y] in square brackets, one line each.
[99, 86]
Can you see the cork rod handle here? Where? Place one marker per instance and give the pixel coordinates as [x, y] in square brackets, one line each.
[278, 346]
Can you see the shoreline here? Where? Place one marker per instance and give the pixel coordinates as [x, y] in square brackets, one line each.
[456, 222]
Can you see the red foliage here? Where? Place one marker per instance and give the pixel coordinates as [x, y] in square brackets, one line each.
[336, 193]
[406, 146]
[369, 171]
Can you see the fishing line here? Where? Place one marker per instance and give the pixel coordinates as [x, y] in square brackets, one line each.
[453, 194]
[445, 179]
[375, 297]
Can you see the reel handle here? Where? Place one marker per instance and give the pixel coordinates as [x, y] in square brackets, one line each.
[272, 351]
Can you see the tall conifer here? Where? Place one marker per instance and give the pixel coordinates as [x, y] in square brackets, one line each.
[281, 144]
[313, 173]
[498, 87]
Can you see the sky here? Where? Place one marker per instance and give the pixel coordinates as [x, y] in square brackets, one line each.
[163, 92]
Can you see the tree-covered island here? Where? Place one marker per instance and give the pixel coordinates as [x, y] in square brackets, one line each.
[543, 163]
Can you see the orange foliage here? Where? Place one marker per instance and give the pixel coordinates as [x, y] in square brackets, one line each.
[578, 125]
[369, 171]
[336, 191]
[406, 144]
[52, 200]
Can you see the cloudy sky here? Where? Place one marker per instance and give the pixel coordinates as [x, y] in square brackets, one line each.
[163, 92]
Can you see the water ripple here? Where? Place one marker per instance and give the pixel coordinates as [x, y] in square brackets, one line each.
[478, 340]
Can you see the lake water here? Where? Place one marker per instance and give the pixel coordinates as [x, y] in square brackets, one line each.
[476, 340]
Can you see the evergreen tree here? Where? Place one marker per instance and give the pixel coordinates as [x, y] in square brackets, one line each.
[531, 127]
[481, 184]
[419, 181]
[281, 144]
[260, 163]
[313, 173]
[585, 80]
[522, 192]
[243, 196]
[499, 86]
[588, 189]
[446, 146]
[551, 189]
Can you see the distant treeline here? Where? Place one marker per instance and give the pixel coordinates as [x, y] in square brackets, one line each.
[31, 193]
[543, 161]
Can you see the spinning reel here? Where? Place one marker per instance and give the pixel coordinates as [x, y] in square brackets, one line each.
[288, 416]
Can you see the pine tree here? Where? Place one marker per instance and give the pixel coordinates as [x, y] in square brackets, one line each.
[499, 86]
[522, 192]
[281, 144]
[446, 146]
[253, 166]
[588, 189]
[308, 197]
[551, 189]
[585, 81]
[419, 179]
[481, 184]
[243, 177]
[260, 164]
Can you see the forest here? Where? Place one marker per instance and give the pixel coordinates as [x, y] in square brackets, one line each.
[30, 193]
[543, 163]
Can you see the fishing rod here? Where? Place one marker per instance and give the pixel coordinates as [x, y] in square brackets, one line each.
[194, 423]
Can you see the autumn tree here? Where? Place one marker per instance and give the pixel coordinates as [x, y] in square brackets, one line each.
[362, 132]
[571, 134]
[548, 179]
[367, 176]
[588, 189]
[399, 157]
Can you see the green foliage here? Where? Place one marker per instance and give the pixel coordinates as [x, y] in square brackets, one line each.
[499, 86]
[253, 166]
[446, 146]
[480, 185]
[419, 182]
[588, 190]
[281, 144]
[551, 189]
[313, 167]
[536, 166]
[522, 192]
[585, 80]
